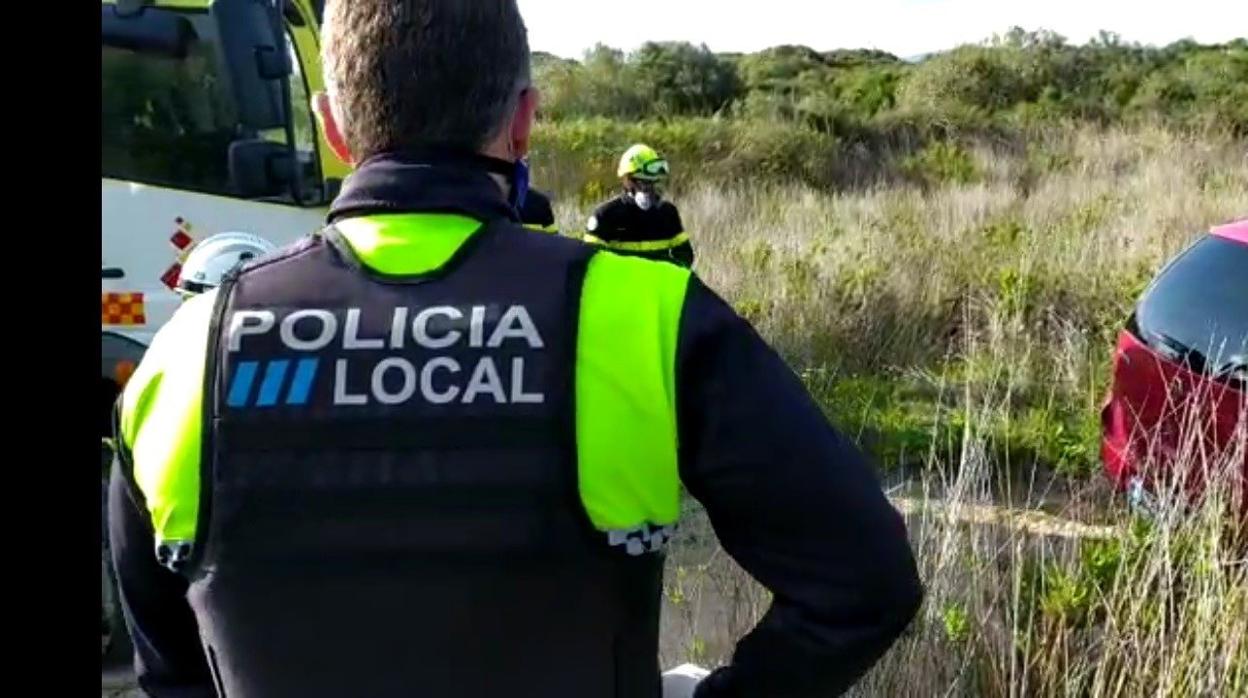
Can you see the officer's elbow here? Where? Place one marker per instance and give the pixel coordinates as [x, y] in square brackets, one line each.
[906, 599]
[898, 593]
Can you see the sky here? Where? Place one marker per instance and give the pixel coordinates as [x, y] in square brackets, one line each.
[906, 28]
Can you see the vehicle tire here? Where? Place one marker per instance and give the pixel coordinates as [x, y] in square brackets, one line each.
[114, 639]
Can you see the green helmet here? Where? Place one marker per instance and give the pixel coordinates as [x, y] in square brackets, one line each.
[642, 162]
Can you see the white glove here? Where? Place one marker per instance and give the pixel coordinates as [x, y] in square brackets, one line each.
[680, 682]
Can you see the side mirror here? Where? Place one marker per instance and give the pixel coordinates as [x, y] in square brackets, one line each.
[254, 50]
[259, 168]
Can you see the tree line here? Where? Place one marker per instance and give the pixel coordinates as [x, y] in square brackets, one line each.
[1017, 78]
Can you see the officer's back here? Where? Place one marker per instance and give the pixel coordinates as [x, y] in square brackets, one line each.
[431, 452]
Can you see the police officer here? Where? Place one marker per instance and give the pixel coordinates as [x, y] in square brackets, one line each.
[537, 213]
[639, 221]
[429, 452]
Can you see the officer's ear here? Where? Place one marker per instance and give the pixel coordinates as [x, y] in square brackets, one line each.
[323, 108]
[522, 123]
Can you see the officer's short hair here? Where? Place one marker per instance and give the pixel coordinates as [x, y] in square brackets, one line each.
[411, 73]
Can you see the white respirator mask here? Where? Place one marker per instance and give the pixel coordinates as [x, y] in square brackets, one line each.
[645, 200]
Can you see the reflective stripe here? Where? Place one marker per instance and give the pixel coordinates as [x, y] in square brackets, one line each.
[552, 228]
[161, 420]
[626, 391]
[240, 388]
[301, 385]
[643, 246]
[407, 243]
[274, 376]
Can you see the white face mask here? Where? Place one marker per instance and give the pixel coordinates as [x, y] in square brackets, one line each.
[645, 200]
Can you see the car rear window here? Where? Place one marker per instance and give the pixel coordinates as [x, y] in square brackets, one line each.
[1196, 310]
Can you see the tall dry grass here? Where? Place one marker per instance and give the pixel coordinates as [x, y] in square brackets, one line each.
[1081, 216]
[1147, 605]
[1021, 605]
[996, 260]
[987, 292]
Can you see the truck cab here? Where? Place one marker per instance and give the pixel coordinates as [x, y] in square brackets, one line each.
[206, 127]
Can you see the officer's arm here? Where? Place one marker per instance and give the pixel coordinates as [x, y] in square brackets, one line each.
[796, 504]
[157, 437]
[168, 658]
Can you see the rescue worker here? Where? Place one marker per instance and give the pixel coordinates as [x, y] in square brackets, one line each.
[537, 214]
[428, 451]
[639, 221]
[216, 256]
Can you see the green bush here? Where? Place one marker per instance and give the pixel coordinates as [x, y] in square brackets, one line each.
[603, 84]
[578, 157]
[941, 163]
[1207, 88]
[978, 79]
[678, 78]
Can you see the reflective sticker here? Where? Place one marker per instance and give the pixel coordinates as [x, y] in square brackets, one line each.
[182, 242]
[170, 277]
[122, 309]
[182, 239]
[642, 539]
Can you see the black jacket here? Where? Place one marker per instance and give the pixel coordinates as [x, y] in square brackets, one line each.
[621, 224]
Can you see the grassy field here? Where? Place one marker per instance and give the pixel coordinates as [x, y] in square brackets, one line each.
[958, 320]
[992, 271]
[1018, 604]
[952, 306]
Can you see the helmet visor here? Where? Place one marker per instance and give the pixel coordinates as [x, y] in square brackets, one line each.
[655, 169]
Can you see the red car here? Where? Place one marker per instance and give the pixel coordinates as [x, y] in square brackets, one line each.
[1179, 397]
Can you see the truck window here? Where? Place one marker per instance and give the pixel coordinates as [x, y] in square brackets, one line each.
[170, 121]
[167, 121]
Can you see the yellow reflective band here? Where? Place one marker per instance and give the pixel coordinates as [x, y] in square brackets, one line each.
[643, 246]
[626, 436]
[407, 243]
[162, 422]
